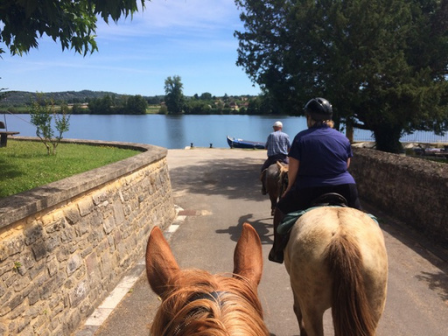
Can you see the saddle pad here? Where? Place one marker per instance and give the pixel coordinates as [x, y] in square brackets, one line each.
[292, 217]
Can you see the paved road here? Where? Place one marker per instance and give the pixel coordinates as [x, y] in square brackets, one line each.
[218, 191]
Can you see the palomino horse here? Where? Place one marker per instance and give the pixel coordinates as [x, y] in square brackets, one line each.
[276, 182]
[336, 257]
[194, 302]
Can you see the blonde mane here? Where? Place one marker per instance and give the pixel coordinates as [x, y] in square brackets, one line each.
[190, 309]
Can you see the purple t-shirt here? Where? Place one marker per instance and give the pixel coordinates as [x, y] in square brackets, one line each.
[323, 153]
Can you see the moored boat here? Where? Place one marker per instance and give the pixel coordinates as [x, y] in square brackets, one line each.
[240, 143]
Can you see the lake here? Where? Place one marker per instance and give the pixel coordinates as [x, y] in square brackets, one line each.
[174, 132]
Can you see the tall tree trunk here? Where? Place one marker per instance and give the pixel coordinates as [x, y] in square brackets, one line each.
[388, 138]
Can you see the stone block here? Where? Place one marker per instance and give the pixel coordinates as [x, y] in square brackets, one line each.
[73, 264]
[118, 212]
[39, 249]
[55, 225]
[85, 206]
[15, 245]
[72, 214]
[52, 267]
[52, 243]
[51, 286]
[91, 263]
[4, 252]
[108, 224]
[99, 197]
[79, 293]
[63, 253]
[71, 323]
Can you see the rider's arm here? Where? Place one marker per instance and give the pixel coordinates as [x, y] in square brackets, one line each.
[293, 170]
[348, 163]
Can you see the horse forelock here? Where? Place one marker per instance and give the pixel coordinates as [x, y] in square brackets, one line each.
[190, 309]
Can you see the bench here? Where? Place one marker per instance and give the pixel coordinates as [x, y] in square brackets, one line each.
[4, 134]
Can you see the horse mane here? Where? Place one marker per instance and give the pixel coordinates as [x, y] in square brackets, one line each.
[282, 177]
[189, 309]
[348, 291]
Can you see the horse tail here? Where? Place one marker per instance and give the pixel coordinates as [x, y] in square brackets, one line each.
[352, 315]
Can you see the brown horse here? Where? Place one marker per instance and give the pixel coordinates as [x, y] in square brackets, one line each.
[276, 182]
[336, 257]
[194, 302]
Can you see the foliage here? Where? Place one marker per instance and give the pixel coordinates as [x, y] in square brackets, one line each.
[371, 58]
[25, 164]
[73, 23]
[174, 98]
[42, 114]
[101, 105]
[118, 105]
[136, 105]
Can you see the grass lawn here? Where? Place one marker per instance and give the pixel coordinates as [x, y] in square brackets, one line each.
[153, 109]
[25, 165]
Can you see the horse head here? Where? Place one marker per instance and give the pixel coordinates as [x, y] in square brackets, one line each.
[194, 301]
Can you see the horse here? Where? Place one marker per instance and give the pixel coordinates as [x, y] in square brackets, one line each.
[276, 182]
[336, 257]
[194, 302]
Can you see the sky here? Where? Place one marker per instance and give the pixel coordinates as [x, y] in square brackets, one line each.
[192, 39]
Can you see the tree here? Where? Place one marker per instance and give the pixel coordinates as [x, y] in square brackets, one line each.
[73, 23]
[174, 98]
[101, 105]
[136, 105]
[206, 96]
[371, 58]
[42, 114]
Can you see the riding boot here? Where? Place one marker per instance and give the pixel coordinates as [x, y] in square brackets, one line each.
[276, 253]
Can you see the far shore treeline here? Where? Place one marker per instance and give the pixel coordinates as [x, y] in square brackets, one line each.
[101, 102]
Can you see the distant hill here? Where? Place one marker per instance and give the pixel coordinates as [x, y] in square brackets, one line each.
[20, 98]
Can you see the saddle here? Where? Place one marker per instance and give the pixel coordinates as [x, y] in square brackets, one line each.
[328, 199]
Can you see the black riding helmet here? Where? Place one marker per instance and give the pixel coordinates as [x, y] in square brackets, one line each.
[319, 109]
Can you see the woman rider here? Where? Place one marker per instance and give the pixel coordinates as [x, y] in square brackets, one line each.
[318, 164]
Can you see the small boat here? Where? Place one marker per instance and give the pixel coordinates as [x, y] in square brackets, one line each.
[240, 143]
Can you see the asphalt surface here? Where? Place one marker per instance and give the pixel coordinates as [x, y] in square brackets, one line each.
[218, 190]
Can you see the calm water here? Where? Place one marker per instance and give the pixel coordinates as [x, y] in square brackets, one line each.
[175, 132]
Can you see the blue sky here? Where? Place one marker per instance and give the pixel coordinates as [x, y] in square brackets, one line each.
[192, 39]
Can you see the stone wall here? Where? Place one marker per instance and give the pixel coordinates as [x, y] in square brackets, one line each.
[409, 189]
[65, 246]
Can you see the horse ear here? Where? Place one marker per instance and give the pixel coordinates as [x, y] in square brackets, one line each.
[248, 258]
[161, 265]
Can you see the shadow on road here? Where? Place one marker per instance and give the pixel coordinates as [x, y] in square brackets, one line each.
[262, 227]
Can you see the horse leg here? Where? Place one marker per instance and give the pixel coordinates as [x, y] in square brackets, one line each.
[273, 199]
[312, 323]
[263, 181]
[298, 313]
